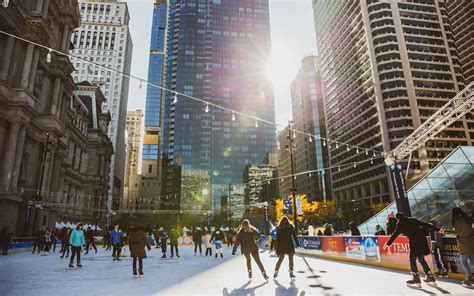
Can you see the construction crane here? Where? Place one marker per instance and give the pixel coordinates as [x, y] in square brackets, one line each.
[456, 108]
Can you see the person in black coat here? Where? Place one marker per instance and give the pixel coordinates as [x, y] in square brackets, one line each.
[90, 241]
[416, 231]
[391, 223]
[354, 230]
[197, 239]
[246, 239]
[287, 239]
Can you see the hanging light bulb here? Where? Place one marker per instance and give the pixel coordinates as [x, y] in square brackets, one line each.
[338, 169]
[371, 161]
[366, 152]
[294, 135]
[281, 179]
[5, 3]
[374, 154]
[48, 57]
[337, 146]
[233, 116]
[141, 84]
[357, 150]
[207, 108]
[310, 139]
[175, 100]
[347, 148]
[324, 143]
[256, 124]
[310, 174]
[355, 165]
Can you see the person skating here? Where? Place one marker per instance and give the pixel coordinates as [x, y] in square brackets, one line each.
[197, 239]
[436, 239]
[38, 243]
[174, 235]
[246, 240]
[391, 223]
[137, 241]
[76, 240]
[61, 235]
[5, 239]
[354, 230]
[90, 240]
[65, 244]
[218, 239]
[327, 229]
[462, 225]
[163, 238]
[286, 238]
[54, 239]
[416, 232]
[116, 238]
[207, 238]
[106, 238]
[47, 241]
[273, 234]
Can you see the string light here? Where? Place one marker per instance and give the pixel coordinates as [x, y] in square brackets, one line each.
[207, 108]
[310, 174]
[48, 57]
[5, 3]
[337, 146]
[338, 169]
[347, 148]
[233, 116]
[355, 165]
[294, 135]
[256, 124]
[357, 150]
[366, 152]
[371, 161]
[175, 99]
[310, 139]
[324, 143]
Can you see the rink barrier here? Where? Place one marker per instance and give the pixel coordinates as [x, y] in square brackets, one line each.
[370, 250]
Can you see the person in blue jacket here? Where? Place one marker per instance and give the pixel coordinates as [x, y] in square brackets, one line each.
[117, 239]
[76, 241]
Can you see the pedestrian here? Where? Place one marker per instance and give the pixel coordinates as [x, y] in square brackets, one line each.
[229, 237]
[462, 224]
[47, 241]
[327, 229]
[391, 223]
[61, 235]
[90, 240]
[116, 238]
[416, 231]
[207, 238]
[157, 238]
[174, 235]
[163, 238]
[76, 240]
[54, 239]
[5, 239]
[246, 239]
[379, 230]
[108, 240]
[137, 242]
[218, 239]
[354, 230]
[38, 241]
[287, 241]
[197, 239]
[273, 234]
[65, 245]
[320, 233]
[436, 239]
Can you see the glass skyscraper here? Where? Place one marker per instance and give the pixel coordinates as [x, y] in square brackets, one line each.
[216, 51]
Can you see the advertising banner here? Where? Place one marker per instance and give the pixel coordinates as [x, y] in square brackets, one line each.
[185, 240]
[450, 253]
[398, 252]
[363, 248]
[299, 206]
[287, 206]
[333, 245]
[311, 244]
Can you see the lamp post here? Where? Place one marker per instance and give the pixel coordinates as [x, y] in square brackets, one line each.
[38, 198]
[293, 183]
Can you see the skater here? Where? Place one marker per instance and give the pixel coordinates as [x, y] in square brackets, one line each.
[436, 239]
[174, 235]
[47, 241]
[379, 230]
[116, 238]
[327, 229]
[416, 231]
[65, 248]
[218, 239]
[207, 238]
[54, 239]
[391, 223]
[354, 230]
[462, 224]
[197, 239]
[163, 238]
[273, 234]
[137, 242]
[38, 243]
[90, 240]
[5, 239]
[76, 240]
[156, 235]
[246, 239]
[230, 238]
[286, 238]
[62, 233]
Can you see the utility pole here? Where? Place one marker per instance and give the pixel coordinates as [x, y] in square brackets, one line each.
[293, 183]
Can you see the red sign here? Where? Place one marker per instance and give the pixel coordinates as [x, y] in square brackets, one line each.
[333, 245]
[398, 252]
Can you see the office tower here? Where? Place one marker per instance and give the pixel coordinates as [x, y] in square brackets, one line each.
[284, 163]
[310, 153]
[461, 18]
[386, 67]
[216, 51]
[135, 134]
[104, 38]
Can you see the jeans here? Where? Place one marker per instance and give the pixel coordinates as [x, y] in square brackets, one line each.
[117, 250]
[209, 251]
[280, 260]
[140, 263]
[174, 247]
[196, 246]
[256, 257]
[423, 263]
[88, 244]
[466, 260]
[65, 249]
[75, 251]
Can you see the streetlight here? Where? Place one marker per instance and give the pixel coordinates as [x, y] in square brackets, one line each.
[291, 139]
[38, 198]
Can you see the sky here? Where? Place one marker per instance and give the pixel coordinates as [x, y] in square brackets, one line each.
[292, 34]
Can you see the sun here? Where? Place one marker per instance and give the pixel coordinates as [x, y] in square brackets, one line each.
[280, 69]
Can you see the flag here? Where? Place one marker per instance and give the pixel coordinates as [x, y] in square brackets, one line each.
[287, 206]
[299, 206]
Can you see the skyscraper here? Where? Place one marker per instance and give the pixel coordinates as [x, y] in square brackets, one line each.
[386, 67]
[308, 116]
[216, 51]
[104, 38]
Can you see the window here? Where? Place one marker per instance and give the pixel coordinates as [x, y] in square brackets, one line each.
[150, 168]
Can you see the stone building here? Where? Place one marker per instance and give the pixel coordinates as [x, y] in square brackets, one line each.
[35, 94]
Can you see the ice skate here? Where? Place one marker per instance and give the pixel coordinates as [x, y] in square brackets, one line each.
[222, 255]
[141, 273]
[414, 282]
[292, 275]
[275, 275]
[79, 265]
[468, 282]
[163, 257]
[134, 273]
[430, 280]
[250, 274]
[216, 255]
[71, 266]
[265, 276]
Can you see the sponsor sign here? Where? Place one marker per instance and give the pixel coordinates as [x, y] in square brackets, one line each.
[287, 206]
[363, 248]
[299, 206]
[450, 253]
[313, 244]
[398, 252]
[185, 240]
[334, 245]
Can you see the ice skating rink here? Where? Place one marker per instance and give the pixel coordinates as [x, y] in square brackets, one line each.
[27, 274]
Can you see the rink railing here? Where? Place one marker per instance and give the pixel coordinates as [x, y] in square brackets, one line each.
[372, 250]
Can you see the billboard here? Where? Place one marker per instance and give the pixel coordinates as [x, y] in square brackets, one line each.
[363, 248]
[334, 245]
[398, 252]
[313, 244]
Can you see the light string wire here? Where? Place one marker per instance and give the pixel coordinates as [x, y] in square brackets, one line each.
[207, 103]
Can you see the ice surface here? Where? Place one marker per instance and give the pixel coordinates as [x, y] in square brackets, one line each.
[27, 274]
